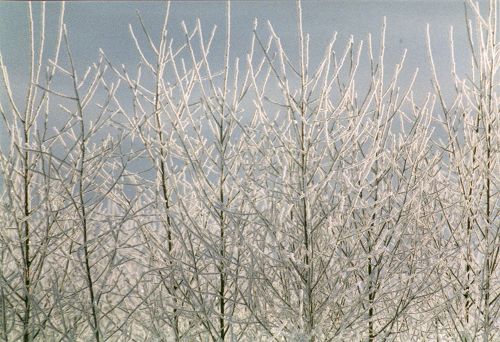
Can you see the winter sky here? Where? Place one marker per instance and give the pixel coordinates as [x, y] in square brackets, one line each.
[105, 25]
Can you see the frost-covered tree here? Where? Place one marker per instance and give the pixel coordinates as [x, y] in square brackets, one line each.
[199, 197]
[29, 283]
[340, 183]
[470, 201]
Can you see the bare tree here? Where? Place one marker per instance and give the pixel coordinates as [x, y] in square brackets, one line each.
[470, 204]
[88, 165]
[28, 209]
[338, 183]
[214, 216]
[199, 197]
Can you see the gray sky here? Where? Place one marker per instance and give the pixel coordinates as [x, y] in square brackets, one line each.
[93, 25]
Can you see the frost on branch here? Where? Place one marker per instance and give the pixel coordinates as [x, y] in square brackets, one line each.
[203, 196]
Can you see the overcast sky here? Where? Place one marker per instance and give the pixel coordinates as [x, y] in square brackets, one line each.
[93, 25]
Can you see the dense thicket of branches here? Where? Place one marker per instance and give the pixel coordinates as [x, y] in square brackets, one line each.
[264, 199]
